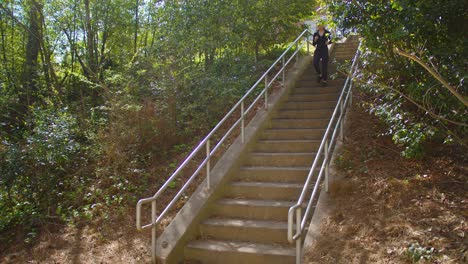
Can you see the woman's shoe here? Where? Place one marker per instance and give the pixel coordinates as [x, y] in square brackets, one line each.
[324, 83]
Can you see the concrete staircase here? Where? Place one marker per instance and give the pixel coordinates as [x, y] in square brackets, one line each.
[249, 223]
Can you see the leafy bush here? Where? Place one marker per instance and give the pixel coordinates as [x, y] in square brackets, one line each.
[416, 252]
[35, 171]
[417, 107]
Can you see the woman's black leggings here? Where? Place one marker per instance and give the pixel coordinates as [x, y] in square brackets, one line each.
[321, 55]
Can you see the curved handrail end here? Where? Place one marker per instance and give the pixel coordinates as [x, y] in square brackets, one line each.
[138, 211]
[291, 211]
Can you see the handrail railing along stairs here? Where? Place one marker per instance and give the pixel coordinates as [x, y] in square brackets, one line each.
[326, 150]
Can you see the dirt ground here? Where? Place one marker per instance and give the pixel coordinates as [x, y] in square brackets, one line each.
[114, 242]
[388, 209]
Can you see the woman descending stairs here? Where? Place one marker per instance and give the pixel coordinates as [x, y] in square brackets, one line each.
[249, 223]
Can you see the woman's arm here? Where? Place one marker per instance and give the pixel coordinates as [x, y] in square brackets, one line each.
[315, 38]
[329, 38]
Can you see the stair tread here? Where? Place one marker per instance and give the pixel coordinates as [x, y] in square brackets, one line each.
[313, 101]
[288, 140]
[305, 90]
[243, 247]
[267, 184]
[327, 108]
[234, 222]
[300, 118]
[311, 88]
[256, 202]
[291, 168]
[282, 153]
[301, 109]
[294, 129]
[313, 98]
[318, 89]
[330, 109]
[322, 94]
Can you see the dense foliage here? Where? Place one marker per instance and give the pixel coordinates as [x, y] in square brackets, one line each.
[93, 93]
[416, 106]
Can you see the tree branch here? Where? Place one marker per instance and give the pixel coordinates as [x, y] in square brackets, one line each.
[433, 73]
[436, 116]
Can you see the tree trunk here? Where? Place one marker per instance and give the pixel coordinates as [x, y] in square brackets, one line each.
[48, 67]
[135, 37]
[30, 66]
[257, 52]
[5, 57]
[90, 42]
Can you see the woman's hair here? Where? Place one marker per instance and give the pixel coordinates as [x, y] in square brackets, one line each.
[321, 23]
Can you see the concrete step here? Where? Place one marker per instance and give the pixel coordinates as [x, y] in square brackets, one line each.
[346, 45]
[343, 59]
[346, 48]
[299, 123]
[307, 105]
[253, 209]
[290, 146]
[285, 133]
[305, 114]
[345, 52]
[272, 174]
[236, 252]
[301, 89]
[258, 231]
[311, 81]
[279, 159]
[314, 97]
[344, 55]
[264, 190]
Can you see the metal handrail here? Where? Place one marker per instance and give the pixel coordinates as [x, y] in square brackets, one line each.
[326, 146]
[155, 219]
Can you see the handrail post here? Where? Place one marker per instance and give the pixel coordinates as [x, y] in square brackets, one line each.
[299, 239]
[326, 166]
[297, 52]
[266, 92]
[308, 48]
[153, 232]
[208, 166]
[242, 122]
[342, 120]
[284, 73]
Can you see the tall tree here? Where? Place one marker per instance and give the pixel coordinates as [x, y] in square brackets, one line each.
[137, 26]
[30, 71]
[415, 66]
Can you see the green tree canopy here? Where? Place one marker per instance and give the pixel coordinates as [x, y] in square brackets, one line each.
[417, 106]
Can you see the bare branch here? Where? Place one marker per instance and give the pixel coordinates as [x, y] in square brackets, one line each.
[433, 73]
[436, 116]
